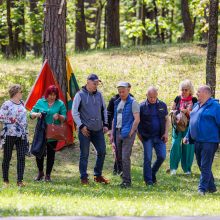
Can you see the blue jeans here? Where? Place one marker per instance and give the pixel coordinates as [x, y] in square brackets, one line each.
[98, 140]
[205, 153]
[160, 149]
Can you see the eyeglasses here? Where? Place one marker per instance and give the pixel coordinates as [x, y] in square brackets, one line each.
[185, 90]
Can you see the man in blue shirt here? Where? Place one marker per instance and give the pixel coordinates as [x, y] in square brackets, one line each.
[204, 130]
[153, 133]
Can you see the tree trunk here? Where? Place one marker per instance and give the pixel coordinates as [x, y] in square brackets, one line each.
[98, 23]
[112, 21]
[187, 22]
[54, 40]
[37, 35]
[205, 34]
[80, 34]
[10, 32]
[156, 20]
[212, 46]
[19, 33]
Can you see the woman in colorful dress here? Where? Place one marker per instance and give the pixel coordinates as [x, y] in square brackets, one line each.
[55, 113]
[13, 117]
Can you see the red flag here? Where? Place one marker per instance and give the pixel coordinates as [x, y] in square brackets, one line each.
[43, 81]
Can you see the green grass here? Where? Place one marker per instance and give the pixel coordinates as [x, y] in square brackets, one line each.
[161, 65]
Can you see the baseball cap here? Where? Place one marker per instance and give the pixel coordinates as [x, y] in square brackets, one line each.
[123, 84]
[93, 77]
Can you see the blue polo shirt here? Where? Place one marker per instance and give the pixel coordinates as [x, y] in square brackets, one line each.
[155, 120]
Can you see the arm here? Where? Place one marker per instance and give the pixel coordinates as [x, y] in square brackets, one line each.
[75, 111]
[35, 111]
[105, 116]
[167, 123]
[62, 113]
[135, 123]
[3, 114]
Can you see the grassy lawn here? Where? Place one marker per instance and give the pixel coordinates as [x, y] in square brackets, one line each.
[163, 66]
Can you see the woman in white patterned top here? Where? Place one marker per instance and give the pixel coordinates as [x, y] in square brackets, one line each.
[14, 119]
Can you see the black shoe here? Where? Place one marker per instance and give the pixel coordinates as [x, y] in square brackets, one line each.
[154, 179]
[212, 190]
[125, 185]
[40, 176]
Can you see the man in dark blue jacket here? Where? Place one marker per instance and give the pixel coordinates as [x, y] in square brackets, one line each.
[153, 132]
[204, 130]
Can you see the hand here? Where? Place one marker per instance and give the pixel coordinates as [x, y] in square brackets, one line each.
[185, 140]
[85, 131]
[131, 133]
[105, 130]
[37, 115]
[165, 138]
[56, 116]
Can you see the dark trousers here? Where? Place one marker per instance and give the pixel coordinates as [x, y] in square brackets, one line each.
[10, 141]
[50, 153]
[98, 140]
[205, 153]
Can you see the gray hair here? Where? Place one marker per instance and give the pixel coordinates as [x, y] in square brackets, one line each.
[152, 89]
[206, 88]
[188, 85]
[14, 89]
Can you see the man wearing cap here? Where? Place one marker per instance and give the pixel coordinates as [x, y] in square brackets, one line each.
[90, 115]
[117, 169]
[153, 133]
[125, 122]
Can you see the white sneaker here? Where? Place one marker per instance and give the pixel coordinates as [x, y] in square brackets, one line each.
[173, 172]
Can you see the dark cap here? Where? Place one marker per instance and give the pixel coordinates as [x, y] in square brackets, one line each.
[93, 77]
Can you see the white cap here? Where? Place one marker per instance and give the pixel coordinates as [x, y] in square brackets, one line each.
[123, 84]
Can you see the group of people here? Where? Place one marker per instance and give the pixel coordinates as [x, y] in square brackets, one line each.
[122, 120]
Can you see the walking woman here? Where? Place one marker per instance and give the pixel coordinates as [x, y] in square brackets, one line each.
[179, 151]
[55, 113]
[13, 117]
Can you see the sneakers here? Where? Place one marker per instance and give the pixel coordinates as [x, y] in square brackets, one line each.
[85, 181]
[47, 178]
[21, 184]
[125, 185]
[40, 176]
[201, 193]
[172, 172]
[101, 179]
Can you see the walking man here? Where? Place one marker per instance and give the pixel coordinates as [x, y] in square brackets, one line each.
[90, 115]
[125, 122]
[153, 133]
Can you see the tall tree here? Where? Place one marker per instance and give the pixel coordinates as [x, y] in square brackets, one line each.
[54, 39]
[80, 34]
[11, 51]
[112, 22]
[156, 20]
[187, 22]
[36, 31]
[212, 45]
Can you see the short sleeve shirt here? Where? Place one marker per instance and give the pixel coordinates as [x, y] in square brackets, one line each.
[121, 105]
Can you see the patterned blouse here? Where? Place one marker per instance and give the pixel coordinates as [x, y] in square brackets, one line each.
[14, 118]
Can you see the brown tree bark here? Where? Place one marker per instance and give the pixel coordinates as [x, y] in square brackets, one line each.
[112, 22]
[212, 46]
[37, 44]
[80, 34]
[54, 40]
[156, 20]
[187, 22]
[11, 51]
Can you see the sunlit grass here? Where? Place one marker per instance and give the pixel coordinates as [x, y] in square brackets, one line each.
[163, 66]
